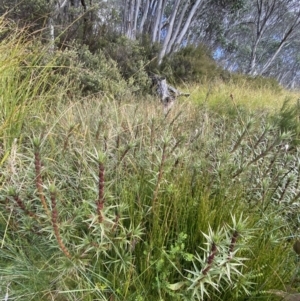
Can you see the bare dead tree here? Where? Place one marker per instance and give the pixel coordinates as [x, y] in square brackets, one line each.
[166, 93]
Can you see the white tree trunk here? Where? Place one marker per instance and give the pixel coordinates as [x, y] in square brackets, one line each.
[162, 24]
[263, 18]
[156, 27]
[169, 34]
[128, 18]
[51, 35]
[59, 5]
[187, 22]
[179, 24]
[284, 41]
[144, 16]
[130, 28]
[57, 8]
[135, 24]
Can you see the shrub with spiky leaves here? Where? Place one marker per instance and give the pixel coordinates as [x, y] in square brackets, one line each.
[127, 185]
[130, 192]
[220, 267]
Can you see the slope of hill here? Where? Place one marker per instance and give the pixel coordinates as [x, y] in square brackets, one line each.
[105, 197]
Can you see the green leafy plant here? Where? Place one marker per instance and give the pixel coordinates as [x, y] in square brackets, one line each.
[220, 268]
[103, 197]
[190, 64]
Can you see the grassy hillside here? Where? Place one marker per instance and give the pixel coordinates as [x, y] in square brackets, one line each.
[242, 94]
[103, 197]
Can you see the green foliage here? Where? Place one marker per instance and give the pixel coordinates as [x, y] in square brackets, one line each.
[288, 120]
[257, 82]
[190, 64]
[220, 268]
[117, 68]
[165, 180]
[29, 12]
[232, 5]
[134, 58]
[90, 73]
[103, 199]
[96, 73]
[25, 76]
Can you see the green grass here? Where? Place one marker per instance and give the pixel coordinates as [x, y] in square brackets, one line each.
[28, 81]
[219, 95]
[105, 198]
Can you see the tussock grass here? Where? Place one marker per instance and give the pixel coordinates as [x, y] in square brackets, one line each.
[221, 95]
[108, 198]
[168, 180]
[27, 82]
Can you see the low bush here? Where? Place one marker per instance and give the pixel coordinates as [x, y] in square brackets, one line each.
[190, 64]
[255, 82]
[116, 201]
[106, 198]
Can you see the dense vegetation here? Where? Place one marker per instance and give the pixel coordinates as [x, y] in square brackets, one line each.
[258, 38]
[104, 197]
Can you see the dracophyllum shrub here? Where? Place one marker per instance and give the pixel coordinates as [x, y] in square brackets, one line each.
[72, 187]
[216, 271]
[125, 201]
[252, 158]
[81, 229]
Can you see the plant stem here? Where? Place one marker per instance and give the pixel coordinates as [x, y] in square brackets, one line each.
[55, 225]
[234, 238]
[22, 206]
[38, 180]
[160, 174]
[210, 258]
[101, 200]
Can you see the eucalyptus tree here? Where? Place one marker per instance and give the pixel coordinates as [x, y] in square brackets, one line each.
[279, 23]
[56, 16]
[286, 68]
[260, 36]
[257, 37]
[166, 21]
[26, 12]
[88, 17]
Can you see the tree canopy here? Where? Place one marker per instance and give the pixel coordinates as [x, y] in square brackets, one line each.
[255, 37]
